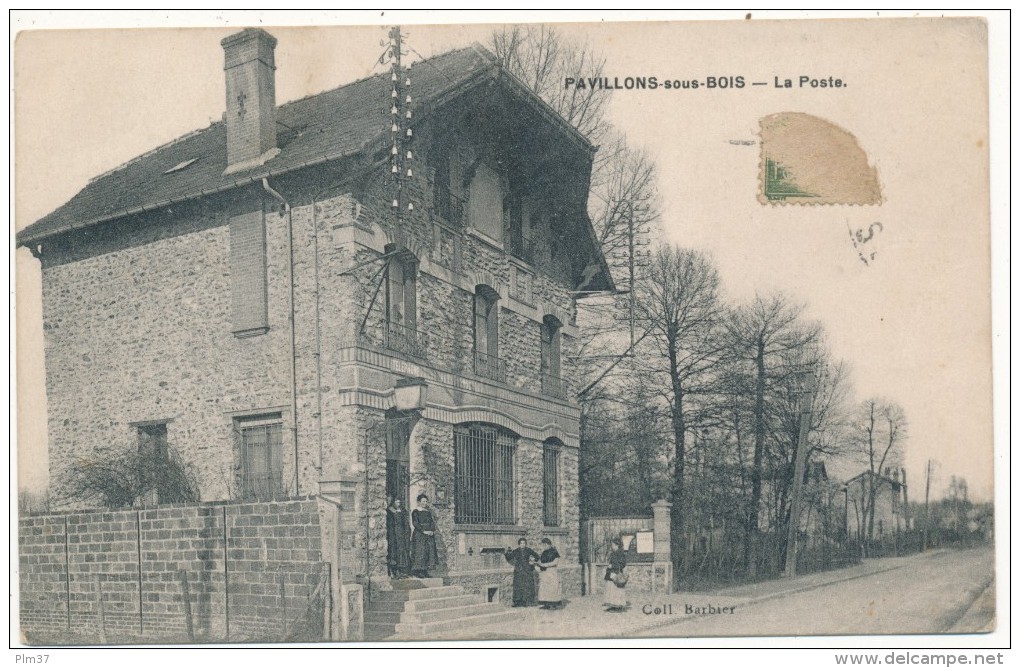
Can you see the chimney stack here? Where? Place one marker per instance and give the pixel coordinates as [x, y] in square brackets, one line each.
[251, 98]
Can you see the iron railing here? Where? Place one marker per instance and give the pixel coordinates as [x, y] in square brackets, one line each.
[398, 338]
[554, 386]
[490, 366]
[484, 475]
[521, 247]
[449, 207]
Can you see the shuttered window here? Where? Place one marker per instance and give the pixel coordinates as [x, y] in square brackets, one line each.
[249, 298]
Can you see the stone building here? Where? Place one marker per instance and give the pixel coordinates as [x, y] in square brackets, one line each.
[360, 294]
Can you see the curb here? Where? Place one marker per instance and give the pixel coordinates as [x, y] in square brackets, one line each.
[956, 615]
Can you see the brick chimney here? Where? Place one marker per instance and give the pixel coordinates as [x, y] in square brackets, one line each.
[251, 98]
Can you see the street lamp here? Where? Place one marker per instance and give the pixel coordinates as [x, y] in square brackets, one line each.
[410, 394]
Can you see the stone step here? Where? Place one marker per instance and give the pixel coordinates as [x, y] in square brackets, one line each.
[383, 618]
[424, 604]
[473, 608]
[418, 594]
[415, 583]
[462, 614]
[449, 628]
[375, 631]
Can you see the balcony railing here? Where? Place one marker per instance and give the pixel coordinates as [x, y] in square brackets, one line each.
[521, 247]
[554, 386]
[490, 366]
[449, 207]
[398, 338]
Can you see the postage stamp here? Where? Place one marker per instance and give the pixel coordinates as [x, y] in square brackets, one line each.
[808, 160]
[503, 332]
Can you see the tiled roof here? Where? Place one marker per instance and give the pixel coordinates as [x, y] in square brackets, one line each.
[329, 125]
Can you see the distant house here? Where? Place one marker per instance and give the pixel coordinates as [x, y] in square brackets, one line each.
[365, 293]
[890, 513]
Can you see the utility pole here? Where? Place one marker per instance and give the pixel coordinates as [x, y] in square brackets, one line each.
[806, 382]
[927, 517]
[630, 262]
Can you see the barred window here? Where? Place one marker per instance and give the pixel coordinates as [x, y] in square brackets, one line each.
[261, 450]
[484, 474]
[551, 484]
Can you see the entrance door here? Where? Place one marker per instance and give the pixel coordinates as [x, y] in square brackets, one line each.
[398, 456]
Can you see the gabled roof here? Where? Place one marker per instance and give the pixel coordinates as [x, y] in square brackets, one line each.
[867, 474]
[342, 122]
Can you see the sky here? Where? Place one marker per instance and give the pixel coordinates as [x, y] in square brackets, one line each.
[914, 323]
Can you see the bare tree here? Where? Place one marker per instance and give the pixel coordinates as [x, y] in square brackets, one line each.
[680, 301]
[762, 336]
[880, 427]
[542, 58]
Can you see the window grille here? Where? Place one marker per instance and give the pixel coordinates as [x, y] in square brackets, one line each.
[551, 485]
[261, 444]
[484, 475]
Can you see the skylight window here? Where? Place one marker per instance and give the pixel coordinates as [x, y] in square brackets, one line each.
[181, 165]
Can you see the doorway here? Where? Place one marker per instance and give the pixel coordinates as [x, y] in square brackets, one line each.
[398, 456]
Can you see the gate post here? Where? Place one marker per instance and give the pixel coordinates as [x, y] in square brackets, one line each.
[660, 531]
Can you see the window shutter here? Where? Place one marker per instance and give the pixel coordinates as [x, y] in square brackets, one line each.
[249, 299]
[481, 325]
[492, 321]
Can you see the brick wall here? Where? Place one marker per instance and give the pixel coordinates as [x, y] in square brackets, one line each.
[235, 558]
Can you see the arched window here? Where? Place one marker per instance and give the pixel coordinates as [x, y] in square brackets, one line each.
[552, 383]
[484, 474]
[486, 307]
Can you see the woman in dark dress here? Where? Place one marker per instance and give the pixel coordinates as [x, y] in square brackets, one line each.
[524, 560]
[550, 595]
[616, 596]
[424, 556]
[398, 539]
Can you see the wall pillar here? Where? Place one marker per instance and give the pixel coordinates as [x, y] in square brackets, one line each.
[662, 561]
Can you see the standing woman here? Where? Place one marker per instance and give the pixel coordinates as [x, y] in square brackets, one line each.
[524, 560]
[398, 539]
[550, 596]
[616, 579]
[424, 557]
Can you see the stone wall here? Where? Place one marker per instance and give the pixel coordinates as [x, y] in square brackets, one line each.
[137, 322]
[237, 558]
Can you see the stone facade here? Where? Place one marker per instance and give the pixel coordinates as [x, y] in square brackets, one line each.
[137, 318]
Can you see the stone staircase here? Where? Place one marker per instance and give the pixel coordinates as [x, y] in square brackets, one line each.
[426, 609]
